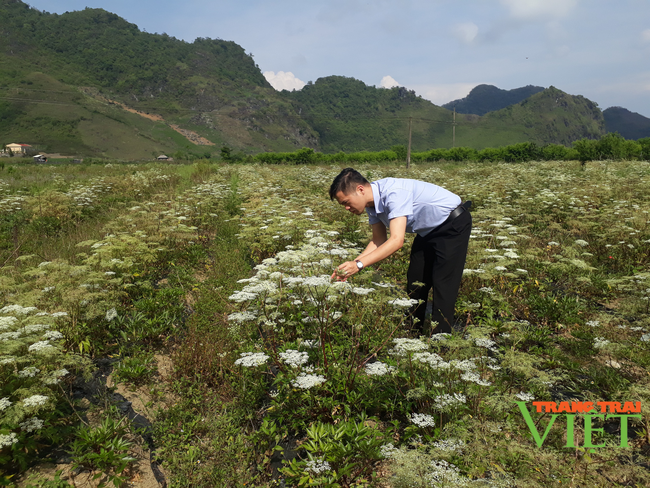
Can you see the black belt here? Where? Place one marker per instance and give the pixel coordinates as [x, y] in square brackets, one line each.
[459, 210]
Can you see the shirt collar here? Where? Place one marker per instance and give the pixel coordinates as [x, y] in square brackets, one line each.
[379, 206]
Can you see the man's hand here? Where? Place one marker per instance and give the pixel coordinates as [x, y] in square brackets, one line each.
[345, 270]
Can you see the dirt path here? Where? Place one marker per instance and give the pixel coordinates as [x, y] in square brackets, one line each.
[145, 472]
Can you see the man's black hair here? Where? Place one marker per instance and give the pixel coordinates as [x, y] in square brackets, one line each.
[346, 181]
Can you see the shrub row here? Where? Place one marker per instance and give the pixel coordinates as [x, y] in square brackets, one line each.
[609, 147]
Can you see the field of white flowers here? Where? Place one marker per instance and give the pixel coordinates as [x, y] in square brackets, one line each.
[283, 377]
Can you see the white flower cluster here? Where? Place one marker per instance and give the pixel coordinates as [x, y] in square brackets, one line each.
[444, 474]
[6, 322]
[388, 450]
[55, 377]
[445, 401]
[525, 397]
[31, 329]
[463, 364]
[28, 372]
[403, 302]
[404, 346]
[449, 445]
[8, 440]
[378, 369]
[53, 335]
[35, 401]
[17, 310]
[241, 317]
[4, 403]
[315, 281]
[294, 358]
[593, 323]
[306, 381]
[31, 424]
[317, 466]
[6, 336]
[431, 359]
[473, 377]
[359, 290]
[487, 343]
[242, 296]
[41, 346]
[600, 342]
[441, 336]
[251, 359]
[111, 314]
[645, 337]
[422, 420]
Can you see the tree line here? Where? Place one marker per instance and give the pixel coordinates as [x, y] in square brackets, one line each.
[609, 147]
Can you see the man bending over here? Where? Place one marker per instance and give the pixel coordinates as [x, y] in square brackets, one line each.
[436, 215]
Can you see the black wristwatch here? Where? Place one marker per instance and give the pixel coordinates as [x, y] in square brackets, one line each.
[359, 264]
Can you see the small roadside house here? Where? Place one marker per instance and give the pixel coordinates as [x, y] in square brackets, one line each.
[162, 157]
[20, 149]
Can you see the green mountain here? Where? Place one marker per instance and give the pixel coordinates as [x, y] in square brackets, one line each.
[89, 83]
[65, 81]
[488, 98]
[628, 124]
[351, 116]
[550, 117]
[348, 115]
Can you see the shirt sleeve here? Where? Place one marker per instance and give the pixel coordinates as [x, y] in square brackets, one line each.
[399, 203]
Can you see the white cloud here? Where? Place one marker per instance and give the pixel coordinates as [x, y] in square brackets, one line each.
[388, 82]
[539, 9]
[465, 32]
[645, 35]
[283, 80]
[441, 94]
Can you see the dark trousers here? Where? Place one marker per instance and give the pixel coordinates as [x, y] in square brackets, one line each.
[438, 260]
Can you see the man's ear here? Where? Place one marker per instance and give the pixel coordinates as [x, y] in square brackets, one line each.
[361, 189]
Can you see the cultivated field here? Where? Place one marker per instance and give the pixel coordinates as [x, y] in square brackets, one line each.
[201, 293]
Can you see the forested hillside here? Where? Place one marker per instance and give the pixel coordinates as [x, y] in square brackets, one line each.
[628, 124]
[89, 83]
[209, 86]
[552, 117]
[349, 115]
[488, 98]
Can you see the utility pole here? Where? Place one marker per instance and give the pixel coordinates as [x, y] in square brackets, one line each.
[408, 150]
[453, 130]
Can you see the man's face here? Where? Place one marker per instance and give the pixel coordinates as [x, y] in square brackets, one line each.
[354, 202]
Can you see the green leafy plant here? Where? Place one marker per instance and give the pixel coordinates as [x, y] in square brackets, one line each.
[339, 455]
[105, 449]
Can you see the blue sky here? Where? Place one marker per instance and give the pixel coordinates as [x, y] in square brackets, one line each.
[440, 48]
